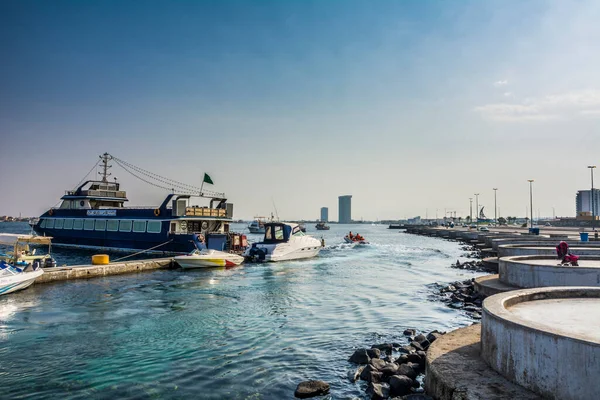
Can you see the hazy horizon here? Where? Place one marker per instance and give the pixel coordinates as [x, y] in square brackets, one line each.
[407, 106]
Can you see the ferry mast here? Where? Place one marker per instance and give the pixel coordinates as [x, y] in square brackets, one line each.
[105, 167]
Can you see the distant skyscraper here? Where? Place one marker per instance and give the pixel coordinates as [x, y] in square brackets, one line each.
[324, 214]
[583, 202]
[345, 209]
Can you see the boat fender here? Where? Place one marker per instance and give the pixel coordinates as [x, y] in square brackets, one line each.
[156, 212]
[50, 211]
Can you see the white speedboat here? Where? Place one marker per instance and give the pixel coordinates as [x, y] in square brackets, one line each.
[207, 258]
[14, 278]
[257, 226]
[283, 242]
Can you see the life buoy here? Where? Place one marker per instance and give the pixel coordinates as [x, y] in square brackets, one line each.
[156, 212]
[50, 212]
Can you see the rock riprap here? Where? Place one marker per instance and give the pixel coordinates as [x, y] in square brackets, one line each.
[309, 389]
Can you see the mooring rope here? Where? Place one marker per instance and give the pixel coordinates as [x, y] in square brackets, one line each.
[143, 251]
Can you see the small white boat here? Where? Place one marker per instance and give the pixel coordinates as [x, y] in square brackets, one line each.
[14, 278]
[257, 226]
[207, 258]
[283, 242]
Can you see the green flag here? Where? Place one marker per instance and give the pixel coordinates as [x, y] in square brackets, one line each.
[207, 179]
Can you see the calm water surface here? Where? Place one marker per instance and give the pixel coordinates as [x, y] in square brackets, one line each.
[251, 332]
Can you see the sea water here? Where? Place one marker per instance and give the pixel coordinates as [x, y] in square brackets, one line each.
[250, 332]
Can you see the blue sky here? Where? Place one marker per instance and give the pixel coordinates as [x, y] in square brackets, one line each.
[407, 105]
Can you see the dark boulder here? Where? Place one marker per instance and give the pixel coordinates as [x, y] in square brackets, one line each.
[385, 347]
[390, 369]
[373, 353]
[308, 389]
[400, 385]
[415, 358]
[407, 371]
[407, 349]
[403, 359]
[365, 375]
[416, 396]
[360, 356]
[416, 345]
[410, 332]
[353, 376]
[378, 391]
[378, 363]
[433, 336]
[420, 337]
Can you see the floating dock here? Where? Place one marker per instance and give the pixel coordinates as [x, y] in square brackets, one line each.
[94, 271]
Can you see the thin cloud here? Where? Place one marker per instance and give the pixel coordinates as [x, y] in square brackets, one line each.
[501, 83]
[551, 107]
[508, 94]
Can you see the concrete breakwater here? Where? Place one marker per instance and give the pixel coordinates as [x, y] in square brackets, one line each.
[532, 343]
[93, 271]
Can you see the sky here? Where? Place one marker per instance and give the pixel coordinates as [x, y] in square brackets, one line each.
[409, 106]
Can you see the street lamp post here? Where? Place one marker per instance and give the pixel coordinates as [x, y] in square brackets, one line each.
[495, 207]
[591, 167]
[477, 209]
[470, 210]
[530, 201]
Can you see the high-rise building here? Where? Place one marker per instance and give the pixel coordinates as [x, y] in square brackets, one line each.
[583, 203]
[345, 209]
[324, 214]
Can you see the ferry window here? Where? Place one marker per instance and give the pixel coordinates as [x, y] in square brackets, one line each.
[100, 224]
[154, 226]
[43, 223]
[139, 226]
[278, 232]
[68, 224]
[50, 223]
[112, 225]
[58, 223]
[78, 224]
[88, 225]
[125, 225]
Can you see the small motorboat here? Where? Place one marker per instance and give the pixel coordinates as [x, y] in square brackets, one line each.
[14, 278]
[283, 241]
[207, 258]
[257, 226]
[354, 240]
[22, 253]
[322, 226]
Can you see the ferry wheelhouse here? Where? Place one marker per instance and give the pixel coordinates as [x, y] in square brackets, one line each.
[95, 216]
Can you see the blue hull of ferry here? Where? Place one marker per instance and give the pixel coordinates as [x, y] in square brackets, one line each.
[163, 241]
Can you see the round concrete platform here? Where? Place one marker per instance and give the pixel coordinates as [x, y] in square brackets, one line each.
[547, 249]
[540, 271]
[545, 340]
[455, 371]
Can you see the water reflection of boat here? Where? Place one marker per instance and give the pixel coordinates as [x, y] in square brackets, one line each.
[322, 226]
[208, 258]
[282, 242]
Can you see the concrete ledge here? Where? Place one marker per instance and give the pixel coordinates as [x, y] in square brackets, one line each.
[490, 285]
[491, 263]
[539, 271]
[455, 371]
[548, 346]
[93, 271]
